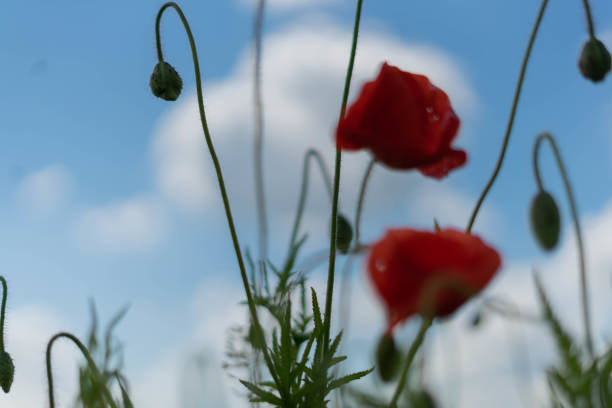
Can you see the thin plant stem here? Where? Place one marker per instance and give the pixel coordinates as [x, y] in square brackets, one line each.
[3, 311]
[258, 150]
[425, 325]
[226, 204]
[517, 94]
[572, 202]
[332, 244]
[87, 356]
[360, 201]
[589, 16]
[310, 154]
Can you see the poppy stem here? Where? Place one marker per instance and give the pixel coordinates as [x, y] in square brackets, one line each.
[2, 311]
[425, 325]
[90, 361]
[310, 154]
[332, 245]
[258, 150]
[589, 16]
[211, 149]
[572, 202]
[517, 94]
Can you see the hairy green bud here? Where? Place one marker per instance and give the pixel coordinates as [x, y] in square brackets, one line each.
[594, 60]
[7, 371]
[422, 399]
[344, 234]
[165, 82]
[545, 220]
[388, 358]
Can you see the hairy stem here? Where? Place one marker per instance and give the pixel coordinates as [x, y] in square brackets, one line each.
[310, 154]
[211, 149]
[572, 202]
[2, 311]
[332, 244]
[589, 16]
[92, 365]
[425, 325]
[517, 95]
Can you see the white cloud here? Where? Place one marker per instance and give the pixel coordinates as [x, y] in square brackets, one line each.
[131, 225]
[46, 190]
[303, 72]
[285, 5]
[28, 330]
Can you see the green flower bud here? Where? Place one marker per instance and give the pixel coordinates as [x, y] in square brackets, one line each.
[7, 371]
[388, 358]
[476, 320]
[344, 234]
[545, 220]
[165, 82]
[421, 399]
[594, 60]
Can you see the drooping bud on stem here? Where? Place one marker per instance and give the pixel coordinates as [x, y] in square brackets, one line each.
[7, 368]
[388, 358]
[344, 234]
[165, 82]
[545, 220]
[595, 60]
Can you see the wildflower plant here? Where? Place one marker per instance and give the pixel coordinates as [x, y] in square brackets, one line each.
[287, 354]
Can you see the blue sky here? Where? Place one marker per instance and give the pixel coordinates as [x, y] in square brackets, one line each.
[108, 192]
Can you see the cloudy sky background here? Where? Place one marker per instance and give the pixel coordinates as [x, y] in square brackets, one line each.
[109, 193]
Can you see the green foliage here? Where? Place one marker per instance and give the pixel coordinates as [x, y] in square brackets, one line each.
[107, 355]
[578, 381]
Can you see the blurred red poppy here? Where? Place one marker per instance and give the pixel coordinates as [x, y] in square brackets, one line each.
[406, 123]
[429, 273]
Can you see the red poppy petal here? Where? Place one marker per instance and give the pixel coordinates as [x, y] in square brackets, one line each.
[441, 167]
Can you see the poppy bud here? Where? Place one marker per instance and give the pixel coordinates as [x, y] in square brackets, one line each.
[165, 82]
[7, 371]
[545, 220]
[476, 319]
[594, 60]
[422, 399]
[344, 234]
[388, 358]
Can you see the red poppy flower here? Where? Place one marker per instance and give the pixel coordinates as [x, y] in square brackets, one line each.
[405, 121]
[430, 273]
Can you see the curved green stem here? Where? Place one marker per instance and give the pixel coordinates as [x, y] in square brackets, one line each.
[332, 244]
[517, 94]
[345, 288]
[90, 361]
[570, 196]
[310, 154]
[589, 16]
[2, 311]
[258, 151]
[425, 325]
[226, 205]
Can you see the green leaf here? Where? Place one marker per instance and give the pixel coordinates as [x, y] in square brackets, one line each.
[348, 378]
[262, 395]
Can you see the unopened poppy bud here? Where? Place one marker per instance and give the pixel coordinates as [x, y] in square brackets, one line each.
[594, 60]
[165, 82]
[388, 358]
[545, 220]
[7, 371]
[422, 399]
[344, 234]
